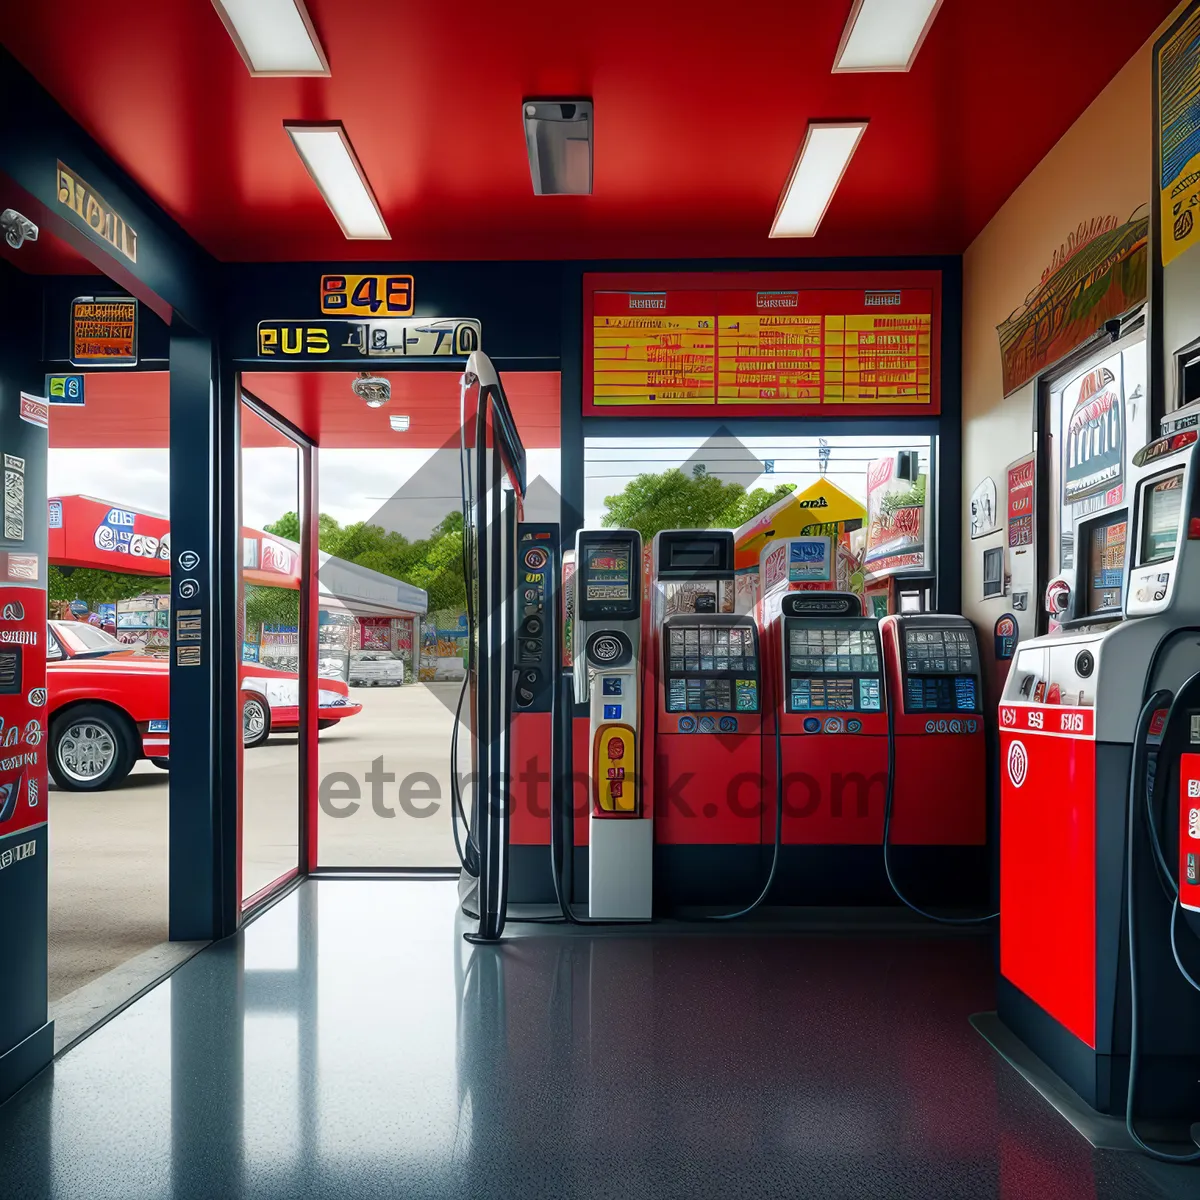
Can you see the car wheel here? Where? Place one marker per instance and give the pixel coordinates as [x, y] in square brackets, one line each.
[256, 721]
[91, 748]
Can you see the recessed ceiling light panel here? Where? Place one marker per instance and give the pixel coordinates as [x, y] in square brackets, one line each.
[823, 158]
[884, 35]
[326, 151]
[274, 37]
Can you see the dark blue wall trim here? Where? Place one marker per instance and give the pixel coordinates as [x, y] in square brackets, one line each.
[35, 133]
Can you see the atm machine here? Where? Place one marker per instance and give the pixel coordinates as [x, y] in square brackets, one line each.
[704, 670]
[1077, 705]
[606, 652]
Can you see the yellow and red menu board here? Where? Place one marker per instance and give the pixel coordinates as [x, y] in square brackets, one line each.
[679, 343]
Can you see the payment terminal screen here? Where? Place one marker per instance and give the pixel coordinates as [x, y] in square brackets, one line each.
[938, 651]
[833, 668]
[1163, 502]
[607, 573]
[1106, 565]
[711, 668]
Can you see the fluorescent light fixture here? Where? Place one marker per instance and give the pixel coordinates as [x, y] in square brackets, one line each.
[274, 37]
[398, 422]
[884, 35]
[816, 173]
[326, 152]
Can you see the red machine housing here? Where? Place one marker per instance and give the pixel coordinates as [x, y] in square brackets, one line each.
[940, 791]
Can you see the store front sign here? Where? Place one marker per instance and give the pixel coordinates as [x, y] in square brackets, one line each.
[96, 213]
[350, 341]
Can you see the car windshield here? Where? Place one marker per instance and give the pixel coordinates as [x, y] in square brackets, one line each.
[92, 639]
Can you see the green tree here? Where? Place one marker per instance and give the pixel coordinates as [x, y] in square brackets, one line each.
[101, 587]
[673, 500]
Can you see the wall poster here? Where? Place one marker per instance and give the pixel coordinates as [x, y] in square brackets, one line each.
[1021, 475]
[985, 517]
[1177, 63]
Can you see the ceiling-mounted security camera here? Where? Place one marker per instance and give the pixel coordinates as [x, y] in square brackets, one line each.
[18, 229]
[374, 389]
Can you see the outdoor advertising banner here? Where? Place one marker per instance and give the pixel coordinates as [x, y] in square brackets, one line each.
[895, 519]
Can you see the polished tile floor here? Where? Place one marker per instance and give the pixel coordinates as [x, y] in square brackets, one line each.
[349, 1044]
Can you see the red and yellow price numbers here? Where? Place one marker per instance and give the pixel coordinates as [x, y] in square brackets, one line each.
[367, 295]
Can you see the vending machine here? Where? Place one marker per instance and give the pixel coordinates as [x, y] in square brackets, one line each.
[705, 671]
[606, 652]
[934, 681]
[829, 714]
[1070, 717]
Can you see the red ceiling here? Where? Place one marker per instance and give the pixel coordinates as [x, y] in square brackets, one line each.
[126, 410]
[699, 111]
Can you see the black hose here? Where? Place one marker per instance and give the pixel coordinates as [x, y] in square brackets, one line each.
[889, 799]
[775, 854]
[1137, 776]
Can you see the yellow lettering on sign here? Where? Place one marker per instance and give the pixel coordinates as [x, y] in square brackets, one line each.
[99, 216]
[268, 340]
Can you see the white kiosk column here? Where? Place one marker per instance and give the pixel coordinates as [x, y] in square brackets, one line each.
[608, 612]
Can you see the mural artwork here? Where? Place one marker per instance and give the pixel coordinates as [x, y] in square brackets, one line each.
[1098, 274]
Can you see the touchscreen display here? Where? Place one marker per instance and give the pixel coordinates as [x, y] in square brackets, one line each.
[1106, 565]
[1162, 503]
[607, 573]
[833, 668]
[938, 651]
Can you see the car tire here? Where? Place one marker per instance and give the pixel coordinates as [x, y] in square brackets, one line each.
[256, 720]
[92, 747]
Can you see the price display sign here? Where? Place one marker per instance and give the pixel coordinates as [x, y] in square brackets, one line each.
[367, 295]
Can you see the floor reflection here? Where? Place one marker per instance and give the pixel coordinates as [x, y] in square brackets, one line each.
[350, 1044]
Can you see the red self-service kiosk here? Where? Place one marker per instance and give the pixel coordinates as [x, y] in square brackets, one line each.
[871, 712]
[1086, 918]
[706, 674]
[829, 713]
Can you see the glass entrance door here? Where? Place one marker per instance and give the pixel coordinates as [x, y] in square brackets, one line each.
[273, 651]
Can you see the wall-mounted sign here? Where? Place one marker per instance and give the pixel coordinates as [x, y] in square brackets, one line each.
[1005, 633]
[1020, 501]
[985, 518]
[667, 345]
[64, 389]
[1094, 442]
[34, 411]
[351, 341]
[103, 332]
[367, 295]
[96, 213]
[1178, 80]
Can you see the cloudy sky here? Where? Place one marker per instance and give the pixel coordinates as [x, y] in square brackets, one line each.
[415, 489]
[412, 490]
